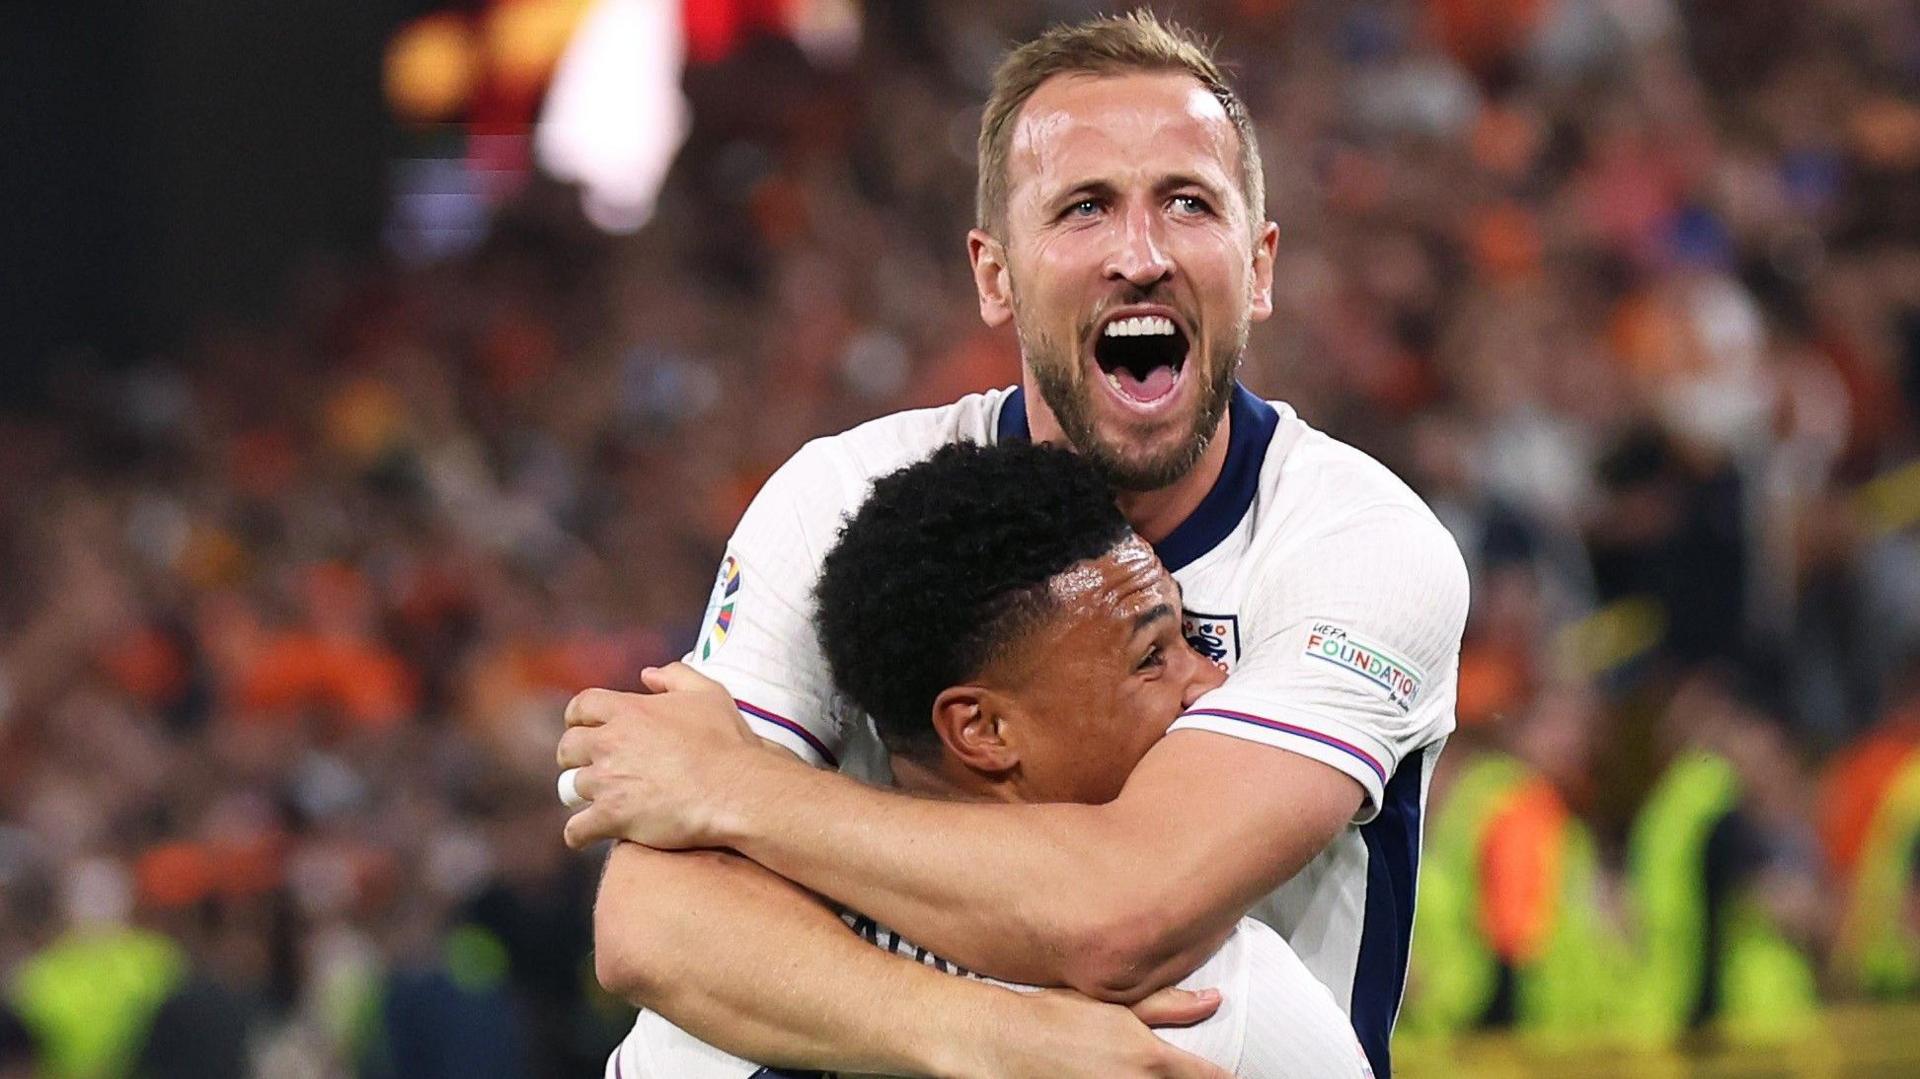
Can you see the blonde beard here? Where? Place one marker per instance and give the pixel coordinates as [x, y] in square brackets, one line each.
[1063, 385]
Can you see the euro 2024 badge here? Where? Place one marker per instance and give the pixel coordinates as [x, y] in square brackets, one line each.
[719, 617]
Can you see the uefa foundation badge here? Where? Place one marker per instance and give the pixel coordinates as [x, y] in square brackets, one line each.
[719, 617]
[1398, 680]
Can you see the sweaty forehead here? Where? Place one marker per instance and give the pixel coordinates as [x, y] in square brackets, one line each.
[1080, 127]
[1095, 607]
[1116, 586]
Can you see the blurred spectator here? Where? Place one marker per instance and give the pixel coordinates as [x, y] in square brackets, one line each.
[89, 994]
[1725, 876]
[18, 1054]
[1515, 929]
[1878, 951]
[1629, 291]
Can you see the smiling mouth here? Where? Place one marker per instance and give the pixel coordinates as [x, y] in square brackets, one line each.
[1141, 356]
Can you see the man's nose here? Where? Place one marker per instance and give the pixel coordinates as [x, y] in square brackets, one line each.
[1140, 258]
[1208, 675]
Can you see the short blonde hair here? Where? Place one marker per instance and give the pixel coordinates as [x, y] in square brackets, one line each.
[1111, 45]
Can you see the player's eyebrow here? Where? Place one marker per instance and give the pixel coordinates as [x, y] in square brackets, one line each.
[1096, 188]
[1180, 179]
[1151, 615]
[1089, 188]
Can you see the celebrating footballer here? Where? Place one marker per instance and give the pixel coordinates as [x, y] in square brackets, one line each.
[1121, 229]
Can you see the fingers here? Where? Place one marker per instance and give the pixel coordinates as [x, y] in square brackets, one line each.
[1176, 1007]
[583, 782]
[597, 707]
[589, 826]
[593, 822]
[569, 790]
[676, 677]
[578, 834]
[593, 707]
[576, 747]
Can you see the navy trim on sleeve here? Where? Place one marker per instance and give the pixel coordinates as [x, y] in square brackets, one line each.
[1393, 864]
[790, 727]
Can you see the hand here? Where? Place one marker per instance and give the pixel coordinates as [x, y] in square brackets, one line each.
[656, 767]
[1059, 1034]
[1173, 1006]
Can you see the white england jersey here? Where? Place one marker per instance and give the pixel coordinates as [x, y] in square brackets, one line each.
[1333, 595]
[1276, 1021]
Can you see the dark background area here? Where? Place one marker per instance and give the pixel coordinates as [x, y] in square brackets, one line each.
[166, 160]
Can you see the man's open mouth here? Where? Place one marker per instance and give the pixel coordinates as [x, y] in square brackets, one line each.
[1141, 356]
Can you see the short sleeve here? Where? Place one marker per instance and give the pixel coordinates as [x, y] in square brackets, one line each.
[1354, 647]
[757, 636]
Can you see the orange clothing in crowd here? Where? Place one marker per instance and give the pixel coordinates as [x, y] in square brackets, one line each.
[1854, 783]
[367, 686]
[1520, 871]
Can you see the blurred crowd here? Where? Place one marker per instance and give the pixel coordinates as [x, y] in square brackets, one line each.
[1629, 290]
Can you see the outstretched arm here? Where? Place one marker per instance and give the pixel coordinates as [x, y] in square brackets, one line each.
[1114, 900]
[754, 965]
[752, 985]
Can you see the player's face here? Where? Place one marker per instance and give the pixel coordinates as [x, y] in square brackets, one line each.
[1103, 677]
[1132, 268]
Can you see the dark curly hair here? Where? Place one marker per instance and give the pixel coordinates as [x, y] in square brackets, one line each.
[947, 562]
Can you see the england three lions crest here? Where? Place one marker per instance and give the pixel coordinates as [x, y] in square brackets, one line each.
[1215, 636]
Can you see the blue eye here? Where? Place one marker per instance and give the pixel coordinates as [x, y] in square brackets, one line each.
[1192, 204]
[1083, 208]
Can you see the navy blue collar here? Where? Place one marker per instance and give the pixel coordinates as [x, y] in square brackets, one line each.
[1012, 425]
[1254, 422]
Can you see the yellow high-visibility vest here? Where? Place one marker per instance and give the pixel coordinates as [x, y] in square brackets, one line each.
[1767, 985]
[89, 997]
[1567, 990]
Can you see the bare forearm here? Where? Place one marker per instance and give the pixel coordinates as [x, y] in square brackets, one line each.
[758, 967]
[1113, 900]
[1046, 894]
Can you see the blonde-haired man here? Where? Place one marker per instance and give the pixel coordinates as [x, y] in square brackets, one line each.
[1120, 232]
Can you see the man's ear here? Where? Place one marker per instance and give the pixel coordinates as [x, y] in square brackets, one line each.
[991, 278]
[1266, 246]
[972, 724]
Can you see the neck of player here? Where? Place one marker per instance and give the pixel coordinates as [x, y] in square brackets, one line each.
[950, 781]
[1153, 514]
